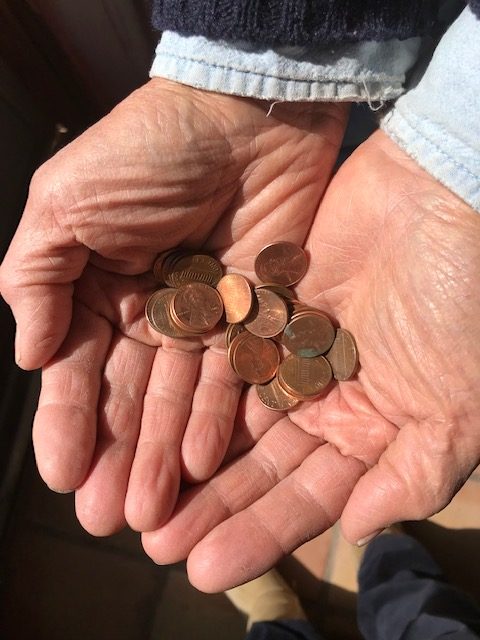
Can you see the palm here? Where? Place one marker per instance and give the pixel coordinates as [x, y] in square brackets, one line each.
[393, 258]
[169, 166]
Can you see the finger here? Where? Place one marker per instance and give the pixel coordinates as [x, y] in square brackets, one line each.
[277, 454]
[210, 425]
[416, 476]
[64, 429]
[303, 505]
[36, 279]
[155, 476]
[100, 501]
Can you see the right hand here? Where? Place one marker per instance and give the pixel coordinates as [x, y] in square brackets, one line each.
[170, 165]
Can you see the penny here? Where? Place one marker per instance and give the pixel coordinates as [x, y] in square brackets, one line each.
[343, 356]
[269, 315]
[278, 289]
[157, 311]
[237, 297]
[304, 378]
[159, 264]
[274, 397]
[254, 359]
[232, 331]
[196, 307]
[169, 261]
[308, 334]
[194, 268]
[281, 263]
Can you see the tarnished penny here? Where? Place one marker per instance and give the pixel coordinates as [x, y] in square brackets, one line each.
[343, 356]
[281, 263]
[274, 397]
[159, 264]
[196, 307]
[308, 334]
[237, 297]
[157, 311]
[169, 260]
[254, 359]
[269, 315]
[304, 378]
[194, 268]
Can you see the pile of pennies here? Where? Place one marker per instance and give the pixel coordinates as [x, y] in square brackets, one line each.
[289, 350]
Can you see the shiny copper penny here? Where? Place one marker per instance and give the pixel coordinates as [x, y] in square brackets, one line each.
[231, 332]
[308, 334]
[304, 378]
[279, 289]
[343, 356]
[194, 268]
[237, 297]
[269, 315]
[157, 311]
[196, 307]
[274, 397]
[254, 359]
[281, 263]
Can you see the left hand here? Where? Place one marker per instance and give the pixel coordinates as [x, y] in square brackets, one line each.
[395, 258]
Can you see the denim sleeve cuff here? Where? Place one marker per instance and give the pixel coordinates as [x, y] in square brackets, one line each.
[437, 122]
[359, 72]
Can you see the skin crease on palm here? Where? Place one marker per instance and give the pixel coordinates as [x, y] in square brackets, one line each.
[123, 411]
[394, 258]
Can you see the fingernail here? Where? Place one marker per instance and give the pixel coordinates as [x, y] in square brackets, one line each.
[62, 491]
[363, 541]
[18, 355]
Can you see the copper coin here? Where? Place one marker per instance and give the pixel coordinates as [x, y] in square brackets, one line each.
[231, 332]
[278, 289]
[196, 307]
[194, 268]
[269, 315]
[159, 263]
[157, 311]
[237, 297]
[343, 356]
[281, 263]
[254, 359]
[274, 397]
[308, 334]
[304, 378]
[169, 261]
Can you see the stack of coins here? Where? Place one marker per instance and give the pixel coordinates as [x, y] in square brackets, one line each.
[290, 351]
[189, 304]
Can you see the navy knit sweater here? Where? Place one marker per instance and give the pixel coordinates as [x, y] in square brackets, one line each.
[298, 22]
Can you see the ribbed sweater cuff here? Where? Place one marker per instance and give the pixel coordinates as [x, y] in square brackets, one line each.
[295, 22]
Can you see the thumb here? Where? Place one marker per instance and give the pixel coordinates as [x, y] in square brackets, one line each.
[36, 280]
[416, 476]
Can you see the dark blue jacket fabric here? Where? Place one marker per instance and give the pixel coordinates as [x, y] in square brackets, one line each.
[298, 22]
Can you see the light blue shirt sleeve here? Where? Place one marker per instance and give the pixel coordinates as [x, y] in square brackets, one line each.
[367, 71]
[438, 121]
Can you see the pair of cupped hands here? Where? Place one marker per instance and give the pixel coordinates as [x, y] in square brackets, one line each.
[160, 433]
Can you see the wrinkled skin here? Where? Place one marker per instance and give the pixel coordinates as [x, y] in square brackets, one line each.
[395, 258]
[123, 411]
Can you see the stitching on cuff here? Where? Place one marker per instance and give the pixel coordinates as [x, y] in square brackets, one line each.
[350, 80]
